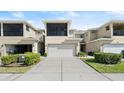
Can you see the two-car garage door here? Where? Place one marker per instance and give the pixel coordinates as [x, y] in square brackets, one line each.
[61, 50]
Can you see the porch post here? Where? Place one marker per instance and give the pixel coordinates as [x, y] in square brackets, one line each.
[111, 29]
[1, 29]
[78, 48]
[3, 50]
[35, 47]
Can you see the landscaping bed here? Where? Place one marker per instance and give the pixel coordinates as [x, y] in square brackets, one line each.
[106, 62]
[11, 63]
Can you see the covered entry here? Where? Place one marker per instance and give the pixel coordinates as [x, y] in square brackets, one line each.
[61, 50]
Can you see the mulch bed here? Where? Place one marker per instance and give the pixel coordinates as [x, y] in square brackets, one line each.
[14, 65]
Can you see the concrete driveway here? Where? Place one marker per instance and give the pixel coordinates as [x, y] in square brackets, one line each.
[62, 69]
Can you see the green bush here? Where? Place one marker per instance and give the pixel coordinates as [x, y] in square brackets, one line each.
[45, 55]
[82, 54]
[6, 60]
[107, 58]
[122, 52]
[90, 53]
[31, 58]
[28, 53]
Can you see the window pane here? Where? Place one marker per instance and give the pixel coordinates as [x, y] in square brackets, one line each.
[57, 29]
[13, 29]
[118, 32]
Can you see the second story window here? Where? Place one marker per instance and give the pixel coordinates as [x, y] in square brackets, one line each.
[27, 28]
[12, 29]
[118, 32]
[56, 29]
[118, 29]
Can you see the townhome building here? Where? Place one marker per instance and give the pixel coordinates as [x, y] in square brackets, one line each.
[60, 40]
[106, 38]
[18, 36]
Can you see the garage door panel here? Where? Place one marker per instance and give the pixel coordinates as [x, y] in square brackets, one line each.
[61, 50]
[113, 48]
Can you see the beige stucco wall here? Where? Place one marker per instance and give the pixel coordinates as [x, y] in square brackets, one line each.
[87, 36]
[118, 39]
[103, 33]
[30, 33]
[54, 40]
[96, 45]
[10, 40]
[93, 35]
[38, 35]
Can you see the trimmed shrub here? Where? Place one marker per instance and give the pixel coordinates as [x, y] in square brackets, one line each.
[45, 55]
[82, 54]
[6, 60]
[28, 53]
[108, 58]
[90, 53]
[31, 58]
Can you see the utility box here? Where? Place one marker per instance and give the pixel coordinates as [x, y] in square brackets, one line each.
[21, 58]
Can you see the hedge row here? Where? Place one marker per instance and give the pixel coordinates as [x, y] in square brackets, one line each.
[30, 58]
[107, 58]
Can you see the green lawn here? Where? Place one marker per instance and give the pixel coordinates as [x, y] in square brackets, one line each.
[105, 68]
[15, 69]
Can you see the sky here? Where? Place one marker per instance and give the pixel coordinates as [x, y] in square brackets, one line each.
[81, 20]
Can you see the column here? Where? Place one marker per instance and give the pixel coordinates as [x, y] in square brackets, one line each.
[78, 48]
[35, 47]
[1, 29]
[111, 29]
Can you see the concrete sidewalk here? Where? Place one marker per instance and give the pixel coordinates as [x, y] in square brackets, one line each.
[62, 69]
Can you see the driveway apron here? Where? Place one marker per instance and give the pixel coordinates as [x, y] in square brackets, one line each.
[62, 69]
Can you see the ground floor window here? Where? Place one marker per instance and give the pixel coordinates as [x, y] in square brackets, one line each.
[18, 49]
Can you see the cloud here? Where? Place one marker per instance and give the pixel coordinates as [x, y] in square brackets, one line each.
[116, 13]
[7, 18]
[18, 14]
[72, 14]
[62, 18]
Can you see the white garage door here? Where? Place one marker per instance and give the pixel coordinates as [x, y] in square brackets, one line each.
[113, 48]
[61, 50]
